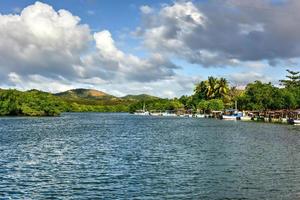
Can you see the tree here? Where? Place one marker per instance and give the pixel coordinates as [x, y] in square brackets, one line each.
[200, 91]
[222, 88]
[292, 81]
[211, 87]
[30, 103]
[215, 104]
[203, 106]
[265, 96]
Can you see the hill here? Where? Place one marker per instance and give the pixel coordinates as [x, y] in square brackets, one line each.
[140, 97]
[85, 94]
[39, 103]
[29, 103]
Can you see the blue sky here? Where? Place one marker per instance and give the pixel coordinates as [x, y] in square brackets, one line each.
[114, 15]
[165, 46]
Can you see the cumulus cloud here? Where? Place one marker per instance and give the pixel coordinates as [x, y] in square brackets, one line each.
[52, 50]
[41, 40]
[243, 78]
[49, 49]
[216, 32]
[109, 62]
[170, 87]
[36, 81]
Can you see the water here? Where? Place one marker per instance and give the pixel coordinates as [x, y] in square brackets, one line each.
[122, 156]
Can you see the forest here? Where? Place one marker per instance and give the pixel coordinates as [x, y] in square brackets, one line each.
[211, 94]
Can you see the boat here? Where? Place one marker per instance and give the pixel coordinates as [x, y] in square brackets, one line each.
[246, 118]
[230, 117]
[155, 113]
[296, 121]
[296, 117]
[199, 116]
[233, 116]
[143, 112]
[167, 114]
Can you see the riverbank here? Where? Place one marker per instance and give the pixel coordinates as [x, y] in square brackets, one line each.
[282, 116]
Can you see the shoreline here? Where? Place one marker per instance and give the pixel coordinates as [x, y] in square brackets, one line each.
[262, 120]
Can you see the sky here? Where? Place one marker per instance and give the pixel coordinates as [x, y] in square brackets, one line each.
[156, 47]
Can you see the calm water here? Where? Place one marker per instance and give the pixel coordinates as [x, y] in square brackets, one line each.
[121, 156]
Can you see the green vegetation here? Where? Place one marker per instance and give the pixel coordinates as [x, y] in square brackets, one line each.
[87, 100]
[30, 103]
[211, 94]
[216, 94]
[210, 105]
[38, 103]
[292, 81]
[157, 105]
[265, 96]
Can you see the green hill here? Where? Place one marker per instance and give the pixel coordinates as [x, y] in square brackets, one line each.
[29, 103]
[38, 103]
[140, 97]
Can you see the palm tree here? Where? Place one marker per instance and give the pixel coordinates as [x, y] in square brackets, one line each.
[200, 90]
[211, 86]
[222, 88]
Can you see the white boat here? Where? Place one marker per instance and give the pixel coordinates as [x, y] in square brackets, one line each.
[166, 114]
[199, 116]
[296, 121]
[235, 116]
[246, 118]
[143, 112]
[229, 117]
[156, 114]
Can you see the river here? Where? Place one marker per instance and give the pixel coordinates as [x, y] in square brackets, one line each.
[123, 156]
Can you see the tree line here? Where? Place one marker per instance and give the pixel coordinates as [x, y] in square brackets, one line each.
[211, 94]
[217, 94]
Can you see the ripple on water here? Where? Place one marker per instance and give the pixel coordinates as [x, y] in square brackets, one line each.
[121, 156]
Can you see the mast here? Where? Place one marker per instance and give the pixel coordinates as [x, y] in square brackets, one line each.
[236, 105]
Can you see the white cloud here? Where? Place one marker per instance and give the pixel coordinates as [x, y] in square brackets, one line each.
[35, 81]
[146, 9]
[243, 78]
[215, 32]
[110, 63]
[41, 40]
[51, 50]
[172, 87]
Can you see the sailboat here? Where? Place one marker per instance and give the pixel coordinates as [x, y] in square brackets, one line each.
[142, 112]
[234, 114]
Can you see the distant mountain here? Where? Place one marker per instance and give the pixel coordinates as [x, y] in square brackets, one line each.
[140, 97]
[84, 94]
